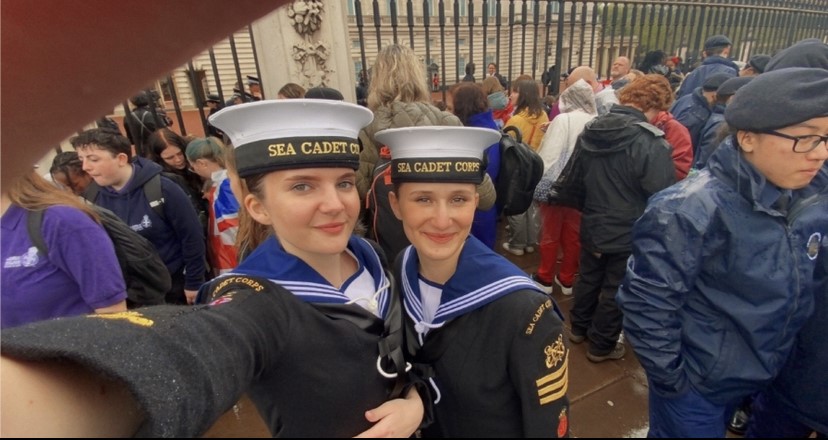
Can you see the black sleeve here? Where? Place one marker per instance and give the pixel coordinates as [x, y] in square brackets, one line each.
[539, 370]
[185, 366]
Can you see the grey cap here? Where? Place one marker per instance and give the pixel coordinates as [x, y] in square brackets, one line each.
[713, 82]
[729, 87]
[717, 41]
[778, 99]
[759, 62]
[806, 53]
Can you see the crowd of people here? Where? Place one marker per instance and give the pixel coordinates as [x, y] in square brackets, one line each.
[343, 264]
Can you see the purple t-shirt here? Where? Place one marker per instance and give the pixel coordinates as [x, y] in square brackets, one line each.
[80, 274]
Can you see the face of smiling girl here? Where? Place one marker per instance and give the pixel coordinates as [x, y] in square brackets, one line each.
[312, 210]
[437, 217]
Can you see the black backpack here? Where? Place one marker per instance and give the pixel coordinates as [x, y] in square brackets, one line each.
[520, 171]
[146, 276]
[383, 225]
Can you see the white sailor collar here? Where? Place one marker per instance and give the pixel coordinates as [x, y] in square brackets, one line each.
[482, 276]
[269, 260]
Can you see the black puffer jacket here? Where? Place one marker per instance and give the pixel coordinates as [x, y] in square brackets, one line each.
[624, 161]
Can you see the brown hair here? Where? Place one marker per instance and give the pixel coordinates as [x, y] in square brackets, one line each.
[528, 96]
[33, 193]
[163, 138]
[649, 92]
[491, 85]
[469, 100]
[292, 91]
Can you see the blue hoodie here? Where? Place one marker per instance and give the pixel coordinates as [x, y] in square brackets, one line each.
[178, 238]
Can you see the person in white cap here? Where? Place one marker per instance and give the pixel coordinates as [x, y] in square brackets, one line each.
[255, 87]
[307, 325]
[399, 97]
[489, 341]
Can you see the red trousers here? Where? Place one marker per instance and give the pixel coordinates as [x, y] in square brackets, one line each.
[560, 227]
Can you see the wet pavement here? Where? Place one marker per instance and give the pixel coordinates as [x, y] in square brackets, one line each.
[607, 399]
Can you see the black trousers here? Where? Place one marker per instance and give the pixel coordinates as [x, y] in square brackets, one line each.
[595, 312]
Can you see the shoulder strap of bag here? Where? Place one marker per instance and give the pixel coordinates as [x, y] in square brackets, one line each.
[34, 223]
[152, 191]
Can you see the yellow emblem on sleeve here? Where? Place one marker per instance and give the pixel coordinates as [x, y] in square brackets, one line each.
[133, 317]
[536, 316]
[553, 386]
[555, 352]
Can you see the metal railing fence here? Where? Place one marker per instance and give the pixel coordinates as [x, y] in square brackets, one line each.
[530, 36]
[524, 37]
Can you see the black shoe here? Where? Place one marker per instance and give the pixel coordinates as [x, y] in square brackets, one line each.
[576, 338]
[617, 352]
[739, 422]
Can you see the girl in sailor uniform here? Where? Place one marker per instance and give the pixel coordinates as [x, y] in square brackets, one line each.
[490, 342]
[307, 325]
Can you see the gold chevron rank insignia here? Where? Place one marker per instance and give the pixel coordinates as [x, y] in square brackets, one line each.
[553, 386]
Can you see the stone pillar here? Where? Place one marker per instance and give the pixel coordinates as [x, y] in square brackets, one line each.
[305, 42]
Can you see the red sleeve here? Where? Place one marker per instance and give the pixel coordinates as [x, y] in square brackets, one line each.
[679, 138]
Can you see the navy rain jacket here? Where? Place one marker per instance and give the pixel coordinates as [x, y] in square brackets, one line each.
[710, 66]
[692, 111]
[719, 282]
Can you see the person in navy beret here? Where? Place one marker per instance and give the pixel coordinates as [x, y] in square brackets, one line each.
[724, 265]
[716, 53]
[794, 405]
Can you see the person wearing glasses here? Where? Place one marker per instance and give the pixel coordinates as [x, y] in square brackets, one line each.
[723, 266]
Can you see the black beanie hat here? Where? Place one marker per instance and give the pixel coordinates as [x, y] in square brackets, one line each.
[778, 99]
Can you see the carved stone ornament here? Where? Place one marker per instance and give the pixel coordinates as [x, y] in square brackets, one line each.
[311, 55]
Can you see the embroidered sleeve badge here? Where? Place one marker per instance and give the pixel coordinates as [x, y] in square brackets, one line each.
[553, 386]
[133, 317]
[224, 299]
[563, 424]
[555, 352]
[813, 245]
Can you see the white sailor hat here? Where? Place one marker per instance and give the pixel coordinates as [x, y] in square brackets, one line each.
[293, 133]
[438, 154]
